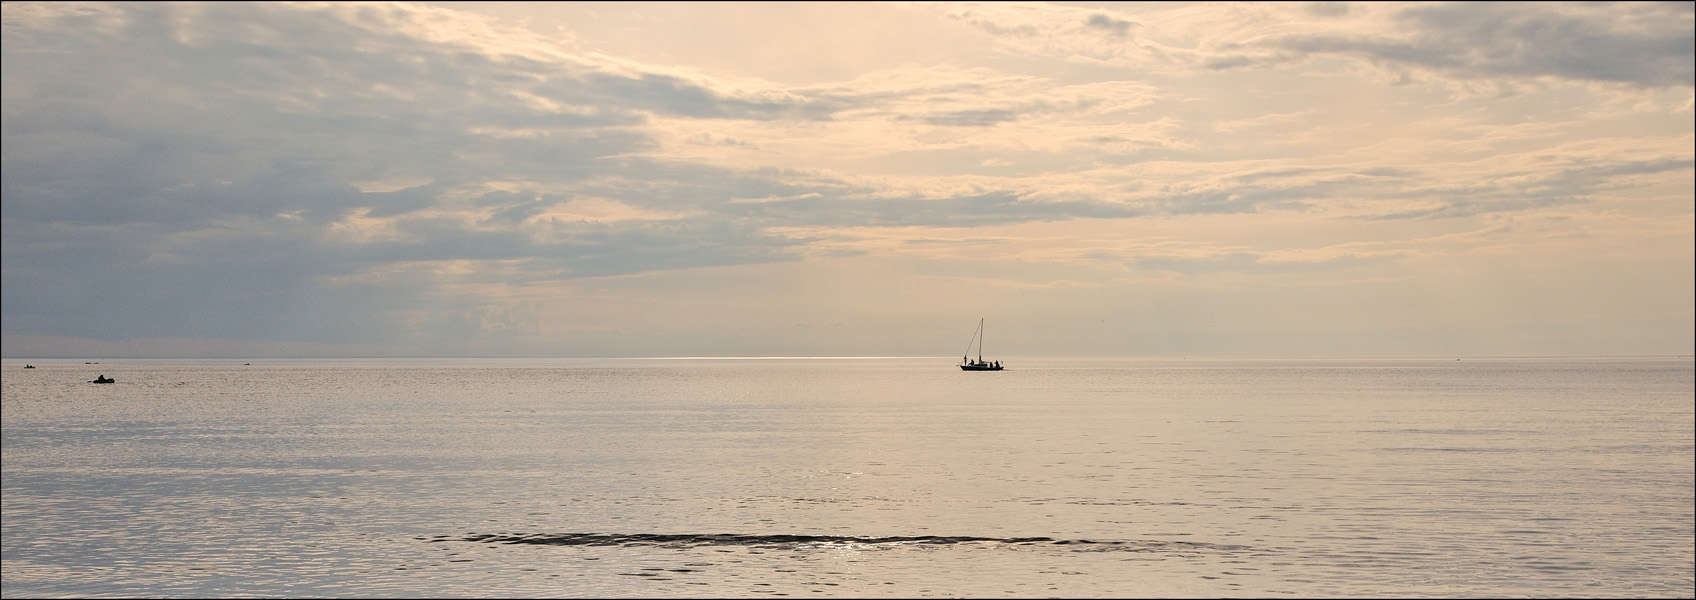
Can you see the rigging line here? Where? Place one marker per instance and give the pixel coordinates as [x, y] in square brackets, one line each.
[977, 337]
[974, 340]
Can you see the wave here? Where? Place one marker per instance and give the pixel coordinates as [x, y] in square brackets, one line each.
[782, 541]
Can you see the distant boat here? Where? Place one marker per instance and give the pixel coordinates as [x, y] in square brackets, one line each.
[29, 366]
[967, 364]
[103, 379]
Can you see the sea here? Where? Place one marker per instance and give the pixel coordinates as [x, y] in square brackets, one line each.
[861, 477]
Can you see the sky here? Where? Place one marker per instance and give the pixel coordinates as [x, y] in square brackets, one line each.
[486, 179]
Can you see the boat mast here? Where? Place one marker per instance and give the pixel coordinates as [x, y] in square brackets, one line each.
[980, 339]
[977, 337]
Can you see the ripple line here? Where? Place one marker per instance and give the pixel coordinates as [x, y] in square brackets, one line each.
[687, 540]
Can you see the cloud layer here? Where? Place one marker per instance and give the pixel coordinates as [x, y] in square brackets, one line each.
[443, 179]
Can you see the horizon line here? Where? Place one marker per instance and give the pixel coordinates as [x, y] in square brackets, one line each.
[870, 357]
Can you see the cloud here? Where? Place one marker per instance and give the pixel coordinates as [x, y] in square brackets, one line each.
[1644, 44]
[392, 175]
[1262, 264]
[1647, 44]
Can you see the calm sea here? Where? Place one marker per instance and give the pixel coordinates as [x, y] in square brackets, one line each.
[872, 477]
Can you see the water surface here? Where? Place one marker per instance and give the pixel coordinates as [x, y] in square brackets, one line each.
[863, 477]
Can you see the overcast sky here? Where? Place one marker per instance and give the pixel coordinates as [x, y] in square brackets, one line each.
[847, 179]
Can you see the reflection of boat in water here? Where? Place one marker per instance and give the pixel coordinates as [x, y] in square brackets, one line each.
[103, 379]
[967, 364]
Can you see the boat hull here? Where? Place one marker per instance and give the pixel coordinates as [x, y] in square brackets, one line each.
[980, 368]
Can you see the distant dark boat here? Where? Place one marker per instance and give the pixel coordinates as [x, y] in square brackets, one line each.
[29, 366]
[103, 379]
[967, 364]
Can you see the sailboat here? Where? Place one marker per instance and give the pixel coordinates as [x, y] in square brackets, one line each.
[967, 364]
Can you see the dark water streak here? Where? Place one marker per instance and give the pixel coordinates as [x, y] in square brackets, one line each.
[793, 541]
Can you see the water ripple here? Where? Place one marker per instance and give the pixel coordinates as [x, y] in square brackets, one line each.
[785, 541]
